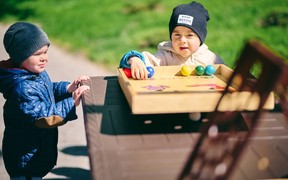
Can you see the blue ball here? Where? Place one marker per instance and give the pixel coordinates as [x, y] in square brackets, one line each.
[210, 70]
[151, 71]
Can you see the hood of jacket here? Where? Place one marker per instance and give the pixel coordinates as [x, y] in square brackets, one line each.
[202, 56]
[167, 46]
[10, 76]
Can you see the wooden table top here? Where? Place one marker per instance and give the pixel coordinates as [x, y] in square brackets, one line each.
[122, 145]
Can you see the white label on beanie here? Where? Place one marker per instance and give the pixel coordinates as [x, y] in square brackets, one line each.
[185, 19]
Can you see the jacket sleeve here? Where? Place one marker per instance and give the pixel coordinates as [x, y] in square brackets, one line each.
[124, 60]
[34, 104]
[56, 120]
[151, 59]
[60, 90]
[218, 60]
[49, 122]
[64, 101]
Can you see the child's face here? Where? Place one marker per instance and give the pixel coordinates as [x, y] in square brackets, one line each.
[184, 41]
[37, 62]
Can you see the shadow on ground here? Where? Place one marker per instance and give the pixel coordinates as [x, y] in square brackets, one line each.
[72, 173]
[75, 151]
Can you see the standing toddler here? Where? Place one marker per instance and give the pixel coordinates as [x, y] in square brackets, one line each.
[34, 105]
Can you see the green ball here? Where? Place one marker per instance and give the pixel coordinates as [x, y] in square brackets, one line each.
[199, 70]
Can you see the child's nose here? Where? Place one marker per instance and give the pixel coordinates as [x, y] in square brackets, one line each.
[44, 56]
[183, 39]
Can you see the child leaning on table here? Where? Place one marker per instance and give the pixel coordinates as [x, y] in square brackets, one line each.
[34, 106]
[187, 28]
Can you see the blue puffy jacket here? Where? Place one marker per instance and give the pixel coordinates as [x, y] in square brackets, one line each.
[30, 149]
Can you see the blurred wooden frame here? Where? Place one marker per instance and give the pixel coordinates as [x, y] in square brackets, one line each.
[215, 153]
[281, 91]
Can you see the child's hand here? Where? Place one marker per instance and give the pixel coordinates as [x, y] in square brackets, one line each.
[73, 86]
[138, 68]
[78, 92]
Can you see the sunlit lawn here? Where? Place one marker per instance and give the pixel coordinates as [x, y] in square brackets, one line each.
[105, 30]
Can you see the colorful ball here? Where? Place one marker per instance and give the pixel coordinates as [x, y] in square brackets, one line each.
[127, 71]
[199, 70]
[210, 70]
[186, 70]
[151, 71]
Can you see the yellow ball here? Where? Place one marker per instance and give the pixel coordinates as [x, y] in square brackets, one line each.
[186, 70]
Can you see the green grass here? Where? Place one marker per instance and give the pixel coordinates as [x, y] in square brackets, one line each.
[104, 30]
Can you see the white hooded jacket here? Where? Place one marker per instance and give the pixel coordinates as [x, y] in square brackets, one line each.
[166, 56]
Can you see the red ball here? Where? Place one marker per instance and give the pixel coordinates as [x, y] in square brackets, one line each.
[127, 71]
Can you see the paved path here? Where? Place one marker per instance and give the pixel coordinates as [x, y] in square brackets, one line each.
[73, 162]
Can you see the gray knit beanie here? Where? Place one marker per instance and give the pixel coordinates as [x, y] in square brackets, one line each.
[193, 16]
[22, 39]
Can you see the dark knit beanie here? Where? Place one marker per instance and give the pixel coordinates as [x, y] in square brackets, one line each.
[193, 16]
[22, 39]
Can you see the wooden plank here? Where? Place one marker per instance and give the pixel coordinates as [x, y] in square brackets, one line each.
[271, 126]
[183, 140]
[141, 164]
[270, 158]
[266, 155]
[249, 166]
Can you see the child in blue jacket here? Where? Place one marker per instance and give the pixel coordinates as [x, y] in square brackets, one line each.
[34, 105]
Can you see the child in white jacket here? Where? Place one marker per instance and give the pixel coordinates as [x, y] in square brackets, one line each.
[187, 28]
